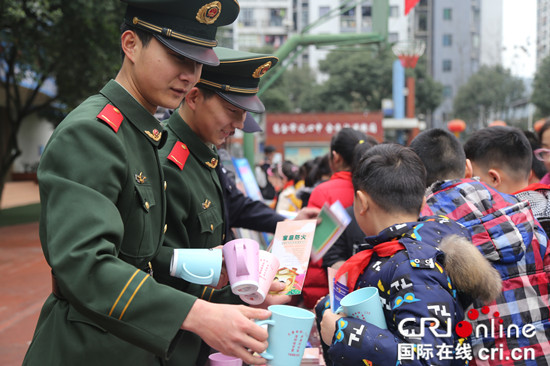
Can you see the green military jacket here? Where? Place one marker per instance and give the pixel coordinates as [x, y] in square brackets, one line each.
[102, 222]
[194, 217]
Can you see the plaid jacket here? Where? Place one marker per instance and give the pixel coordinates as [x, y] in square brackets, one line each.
[505, 231]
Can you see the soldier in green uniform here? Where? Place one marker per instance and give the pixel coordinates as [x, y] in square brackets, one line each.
[103, 207]
[211, 112]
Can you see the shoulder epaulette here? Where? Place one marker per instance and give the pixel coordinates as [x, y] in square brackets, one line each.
[179, 154]
[111, 116]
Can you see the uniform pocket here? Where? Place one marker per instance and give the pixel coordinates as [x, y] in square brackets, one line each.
[210, 220]
[145, 196]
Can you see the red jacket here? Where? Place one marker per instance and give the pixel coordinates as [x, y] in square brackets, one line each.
[337, 188]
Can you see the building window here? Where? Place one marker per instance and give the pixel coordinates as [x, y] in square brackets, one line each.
[447, 40]
[447, 91]
[394, 11]
[323, 10]
[276, 17]
[447, 65]
[366, 11]
[423, 21]
[447, 13]
[247, 17]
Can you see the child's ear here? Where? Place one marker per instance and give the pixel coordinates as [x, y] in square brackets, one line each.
[495, 177]
[362, 201]
[469, 171]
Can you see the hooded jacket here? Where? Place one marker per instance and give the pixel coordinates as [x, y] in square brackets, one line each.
[506, 233]
[416, 293]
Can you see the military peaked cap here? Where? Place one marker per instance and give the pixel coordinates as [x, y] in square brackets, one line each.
[237, 78]
[187, 27]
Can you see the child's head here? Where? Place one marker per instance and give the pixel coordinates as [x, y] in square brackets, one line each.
[341, 148]
[501, 157]
[442, 155]
[393, 178]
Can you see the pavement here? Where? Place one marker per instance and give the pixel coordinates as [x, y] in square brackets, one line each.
[26, 280]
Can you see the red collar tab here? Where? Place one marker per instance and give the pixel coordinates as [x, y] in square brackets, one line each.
[111, 116]
[179, 154]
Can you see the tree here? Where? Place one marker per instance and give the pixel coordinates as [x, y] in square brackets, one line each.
[428, 92]
[359, 78]
[487, 94]
[541, 89]
[73, 42]
[291, 91]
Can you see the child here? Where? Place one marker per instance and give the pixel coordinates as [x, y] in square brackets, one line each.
[503, 229]
[405, 264]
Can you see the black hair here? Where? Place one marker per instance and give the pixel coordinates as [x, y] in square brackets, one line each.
[290, 170]
[441, 153]
[206, 92]
[360, 150]
[321, 167]
[344, 141]
[537, 166]
[504, 147]
[305, 169]
[393, 176]
[144, 36]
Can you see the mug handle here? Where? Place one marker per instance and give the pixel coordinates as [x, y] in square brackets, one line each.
[339, 310]
[265, 354]
[200, 279]
[240, 255]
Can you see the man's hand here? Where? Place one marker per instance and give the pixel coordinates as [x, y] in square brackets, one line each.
[307, 213]
[328, 326]
[275, 298]
[229, 329]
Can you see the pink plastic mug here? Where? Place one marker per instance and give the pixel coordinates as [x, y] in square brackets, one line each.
[241, 258]
[219, 359]
[269, 264]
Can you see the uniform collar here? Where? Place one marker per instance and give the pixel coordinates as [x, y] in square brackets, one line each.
[134, 112]
[207, 156]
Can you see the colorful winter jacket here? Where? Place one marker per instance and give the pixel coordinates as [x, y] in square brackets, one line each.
[414, 290]
[505, 231]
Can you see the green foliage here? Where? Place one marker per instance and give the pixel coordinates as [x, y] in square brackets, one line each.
[74, 42]
[291, 91]
[358, 80]
[541, 89]
[488, 92]
[429, 93]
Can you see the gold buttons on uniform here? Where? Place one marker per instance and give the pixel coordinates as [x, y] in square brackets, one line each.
[212, 227]
[165, 228]
[147, 205]
[165, 184]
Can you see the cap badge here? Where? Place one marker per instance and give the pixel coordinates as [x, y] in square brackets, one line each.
[155, 135]
[206, 204]
[260, 71]
[140, 178]
[209, 13]
[212, 163]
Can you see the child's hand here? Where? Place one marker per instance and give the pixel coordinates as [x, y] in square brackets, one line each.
[328, 326]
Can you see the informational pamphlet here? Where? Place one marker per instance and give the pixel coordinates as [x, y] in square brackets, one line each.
[334, 220]
[292, 246]
[337, 289]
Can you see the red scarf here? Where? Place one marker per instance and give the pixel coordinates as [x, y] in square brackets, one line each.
[357, 264]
